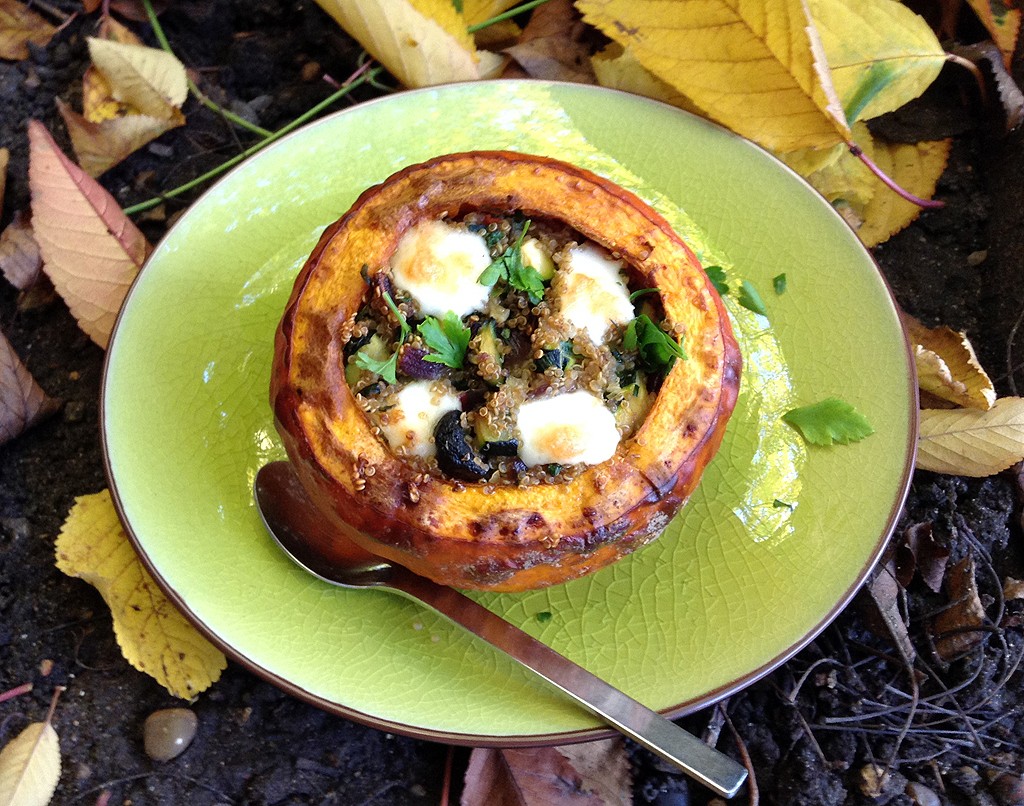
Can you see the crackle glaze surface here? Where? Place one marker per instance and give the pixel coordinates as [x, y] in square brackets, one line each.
[735, 584]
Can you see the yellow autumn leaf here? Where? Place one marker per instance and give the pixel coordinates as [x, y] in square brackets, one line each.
[748, 64]
[101, 145]
[881, 54]
[20, 25]
[1002, 21]
[617, 68]
[915, 167]
[421, 42]
[152, 81]
[91, 249]
[969, 442]
[477, 12]
[98, 102]
[154, 637]
[30, 766]
[839, 176]
[948, 367]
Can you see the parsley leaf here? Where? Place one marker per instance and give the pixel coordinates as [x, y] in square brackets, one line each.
[716, 274]
[779, 283]
[830, 421]
[750, 299]
[386, 369]
[656, 349]
[509, 267]
[447, 339]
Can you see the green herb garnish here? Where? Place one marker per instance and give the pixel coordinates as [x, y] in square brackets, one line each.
[656, 349]
[716, 274]
[544, 616]
[779, 283]
[509, 267]
[750, 299]
[830, 421]
[553, 469]
[447, 339]
[386, 367]
[642, 293]
[780, 504]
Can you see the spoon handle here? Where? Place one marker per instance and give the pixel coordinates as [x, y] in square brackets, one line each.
[648, 728]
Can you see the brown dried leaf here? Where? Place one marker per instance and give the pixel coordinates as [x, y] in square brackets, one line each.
[969, 442]
[1013, 588]
[100, 146]
[885, 592]
[947, 366]
[20, 261]
[604, 767]
[149, 80]
[19, 25]
[23, 403]
[5, 157]
[952, 627]
[553, 45]
[91, 250]
[919, 553]
[535, 776]
[1010, 95]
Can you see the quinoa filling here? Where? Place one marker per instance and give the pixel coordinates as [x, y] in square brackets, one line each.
[504, 350]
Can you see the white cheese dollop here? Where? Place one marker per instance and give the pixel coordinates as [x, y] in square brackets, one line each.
[566, 429]
[439, 265]
[594, 294]
[411, 422]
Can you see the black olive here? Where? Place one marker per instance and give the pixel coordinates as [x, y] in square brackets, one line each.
[371, 389]
[355, 345]
[560, 357]
[455, 456]
[505, 447]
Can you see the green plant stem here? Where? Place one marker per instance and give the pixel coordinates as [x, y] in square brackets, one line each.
[342, 91]
[507, 15]
[227, 114]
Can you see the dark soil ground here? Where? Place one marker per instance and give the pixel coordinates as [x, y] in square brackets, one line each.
[813, 729]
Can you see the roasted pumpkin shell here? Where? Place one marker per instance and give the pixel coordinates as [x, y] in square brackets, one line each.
[504, 538]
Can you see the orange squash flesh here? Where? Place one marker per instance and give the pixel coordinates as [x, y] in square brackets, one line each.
[462, 534]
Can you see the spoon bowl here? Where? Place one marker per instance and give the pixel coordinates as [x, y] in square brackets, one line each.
[292, 521]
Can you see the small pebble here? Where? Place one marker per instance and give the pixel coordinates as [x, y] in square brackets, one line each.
[977, 258]
[922, 795]
[167, 733]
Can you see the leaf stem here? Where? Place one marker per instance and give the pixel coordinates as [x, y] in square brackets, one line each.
[507, 15]
[930, 204]
[344, 90]
[204, 99]
[17, 691]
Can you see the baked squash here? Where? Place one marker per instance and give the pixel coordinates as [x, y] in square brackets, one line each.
[453, 491]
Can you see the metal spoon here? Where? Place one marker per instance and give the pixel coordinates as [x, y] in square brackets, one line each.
[293, 522]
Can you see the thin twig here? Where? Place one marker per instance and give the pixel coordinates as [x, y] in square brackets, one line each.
[227, 114]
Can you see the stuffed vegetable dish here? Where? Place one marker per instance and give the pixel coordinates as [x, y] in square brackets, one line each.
[502, 371]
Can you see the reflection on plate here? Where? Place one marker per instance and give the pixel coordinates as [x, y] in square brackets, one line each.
[772, 545]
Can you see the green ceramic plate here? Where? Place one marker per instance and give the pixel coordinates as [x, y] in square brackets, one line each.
[775, 542]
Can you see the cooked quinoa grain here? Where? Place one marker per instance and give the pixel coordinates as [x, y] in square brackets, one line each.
[523, 344]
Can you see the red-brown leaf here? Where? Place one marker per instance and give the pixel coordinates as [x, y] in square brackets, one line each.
[20, 260]
[952, 627]
[22, 401]
[91, 249]
[535, 776]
